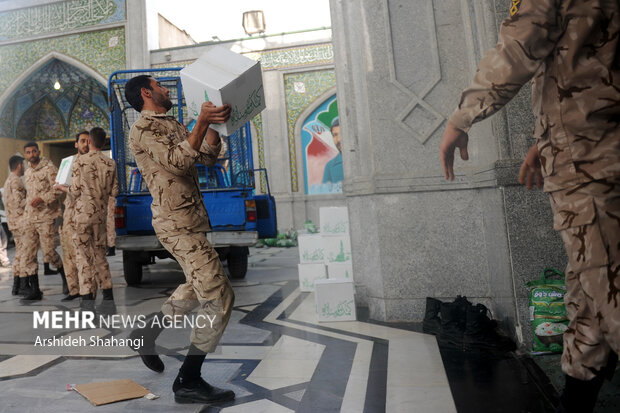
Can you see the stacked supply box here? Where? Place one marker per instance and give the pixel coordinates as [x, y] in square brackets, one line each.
[336, 242]
[334, 300]
[312, 261]
[335, 297]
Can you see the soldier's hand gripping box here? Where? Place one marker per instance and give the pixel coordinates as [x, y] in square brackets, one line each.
[63, 177]
[221, 76]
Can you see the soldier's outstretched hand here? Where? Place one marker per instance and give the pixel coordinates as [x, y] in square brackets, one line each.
[215, 114]
[530, 169]
[452, 138]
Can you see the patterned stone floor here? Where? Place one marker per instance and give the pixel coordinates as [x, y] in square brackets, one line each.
[274, 355]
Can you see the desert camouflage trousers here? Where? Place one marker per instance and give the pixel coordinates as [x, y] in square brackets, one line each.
[18, 260]
[588, 218]
[43, 233]
[206, 287]
[110, 227]
[68, 257]
[93, 268]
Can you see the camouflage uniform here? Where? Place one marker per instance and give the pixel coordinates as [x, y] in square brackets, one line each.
[68, 244]
[110, 227]
[167, 163]
[570, 50]
[15, 202]
[41, 227]
[93, 182]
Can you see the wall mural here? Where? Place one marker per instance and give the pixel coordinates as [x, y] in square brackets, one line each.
[322, 150]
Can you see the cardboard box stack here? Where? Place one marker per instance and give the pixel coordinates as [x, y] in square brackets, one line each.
[311, 265]
[334, 297]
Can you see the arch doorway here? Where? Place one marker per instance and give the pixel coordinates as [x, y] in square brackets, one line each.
[51, 105]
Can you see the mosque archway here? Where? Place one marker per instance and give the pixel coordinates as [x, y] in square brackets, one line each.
[54, 102]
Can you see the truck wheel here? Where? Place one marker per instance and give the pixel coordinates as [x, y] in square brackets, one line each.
[132, 267]
[238, 262]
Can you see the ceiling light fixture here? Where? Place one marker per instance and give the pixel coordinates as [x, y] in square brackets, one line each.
[57, 85]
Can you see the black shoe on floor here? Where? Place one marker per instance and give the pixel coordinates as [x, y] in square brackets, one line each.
[481, 332]
[70, 297]
[24, 286]
[452, 326]
[35, 294]
[47, 270]
[432, 322]
[15, 289]
[147, 353]
[199, 391]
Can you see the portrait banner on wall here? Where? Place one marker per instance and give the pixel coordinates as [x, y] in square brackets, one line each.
[322, 150]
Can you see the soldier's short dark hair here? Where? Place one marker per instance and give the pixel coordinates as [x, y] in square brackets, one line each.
[97, 137]
[133, 90]
[14, 162]
[31, 144]
[77, 135]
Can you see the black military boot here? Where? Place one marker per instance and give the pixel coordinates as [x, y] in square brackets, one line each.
[432, 322]
[47, 270]
[149, 334]
[70, 297]
[24, 286]
[35, 293]
[107, 306]
[189, 387]
[481, 332]
[452, 326]
[579, 396]
[87, 302]
[111, 251]
[65, 287]
[15, 289]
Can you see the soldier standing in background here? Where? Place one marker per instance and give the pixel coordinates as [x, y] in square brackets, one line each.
[42, 209]
[92, 184]
[15, 203]
[68, 229]
[571, 51]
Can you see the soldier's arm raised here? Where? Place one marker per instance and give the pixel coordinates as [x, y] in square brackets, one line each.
[177, 158]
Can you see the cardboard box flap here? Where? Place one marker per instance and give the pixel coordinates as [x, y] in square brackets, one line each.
[227, 60]
[111, 391]
[217, 77]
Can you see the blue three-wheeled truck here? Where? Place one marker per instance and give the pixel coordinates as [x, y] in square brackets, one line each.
[238, 215]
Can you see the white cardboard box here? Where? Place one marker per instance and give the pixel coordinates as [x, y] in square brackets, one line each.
[342, 270]
[310, 249]
[222, 76]
[63, 177]
[334, 220]
[308, 274]
[336, 248]
[334, 300]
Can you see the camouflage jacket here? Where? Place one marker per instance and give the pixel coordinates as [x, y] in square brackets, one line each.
[570, 50]
[167, 162]
[92, 184]
[67, 216]
[15, 202]
[40, 183]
